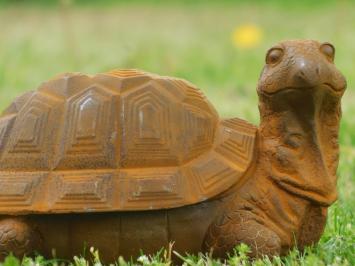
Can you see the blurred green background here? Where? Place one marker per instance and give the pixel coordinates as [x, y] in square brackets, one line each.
[217, 45]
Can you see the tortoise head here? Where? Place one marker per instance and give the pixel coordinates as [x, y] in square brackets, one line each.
[300, 64]
[300, 92]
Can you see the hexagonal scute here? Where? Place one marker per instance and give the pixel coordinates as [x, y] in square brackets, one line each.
[159, 129]
[198, 132]
[21, 192]
[32, 141]
[89, 135]
[88, 190]
[150, 126]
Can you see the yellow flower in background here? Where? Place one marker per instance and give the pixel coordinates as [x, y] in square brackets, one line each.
[247, 36]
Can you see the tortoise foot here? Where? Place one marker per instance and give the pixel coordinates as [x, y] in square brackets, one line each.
[17, 237]
[227, 232]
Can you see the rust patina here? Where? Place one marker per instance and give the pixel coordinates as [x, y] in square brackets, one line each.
[128, 160]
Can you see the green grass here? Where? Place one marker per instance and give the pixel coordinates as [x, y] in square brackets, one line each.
[192, 41]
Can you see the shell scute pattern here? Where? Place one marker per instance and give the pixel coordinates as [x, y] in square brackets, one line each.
[131, 140]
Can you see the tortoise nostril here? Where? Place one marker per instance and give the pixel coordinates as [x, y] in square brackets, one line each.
[301, 75]
[318, 70]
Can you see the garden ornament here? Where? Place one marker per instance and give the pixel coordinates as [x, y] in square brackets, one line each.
[127, 161]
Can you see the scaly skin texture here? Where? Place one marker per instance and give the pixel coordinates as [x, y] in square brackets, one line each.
[285, 202]
[18, 237]
[267, 218]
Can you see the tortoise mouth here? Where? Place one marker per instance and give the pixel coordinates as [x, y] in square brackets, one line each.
[333, 88]
[325, 86]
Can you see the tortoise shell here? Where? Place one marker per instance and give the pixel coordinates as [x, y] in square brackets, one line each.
[122, 140]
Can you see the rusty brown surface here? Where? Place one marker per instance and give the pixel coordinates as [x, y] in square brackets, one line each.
[128, 160]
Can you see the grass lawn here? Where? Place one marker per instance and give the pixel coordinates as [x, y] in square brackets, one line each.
[192, 41]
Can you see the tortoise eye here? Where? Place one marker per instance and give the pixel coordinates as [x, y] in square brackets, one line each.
[274, 55]
[328, 50]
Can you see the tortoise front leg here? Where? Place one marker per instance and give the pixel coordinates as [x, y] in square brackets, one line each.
[18, 237]
[233, 228]
[312, 227]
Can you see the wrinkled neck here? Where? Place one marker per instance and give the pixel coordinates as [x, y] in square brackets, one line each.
[300, 136]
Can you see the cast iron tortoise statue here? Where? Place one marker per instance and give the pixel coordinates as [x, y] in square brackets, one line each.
[128, 160]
